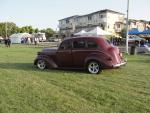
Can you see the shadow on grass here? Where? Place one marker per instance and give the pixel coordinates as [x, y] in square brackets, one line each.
[17, 66]
[32, 67]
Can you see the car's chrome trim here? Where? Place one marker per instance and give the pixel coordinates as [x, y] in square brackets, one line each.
[120, 64]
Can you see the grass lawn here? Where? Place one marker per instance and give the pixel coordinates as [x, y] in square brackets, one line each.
[25, 89]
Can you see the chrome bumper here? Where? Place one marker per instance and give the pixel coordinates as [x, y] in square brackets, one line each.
[118, 65]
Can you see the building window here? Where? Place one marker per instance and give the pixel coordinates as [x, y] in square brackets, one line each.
[118, 26]
[67, 21]
[102, 16]
[102, 26]
[89, 18]
[134, 23]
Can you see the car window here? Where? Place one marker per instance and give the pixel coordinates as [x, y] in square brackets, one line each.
[92, 44]
[65, 45]
[79, 44]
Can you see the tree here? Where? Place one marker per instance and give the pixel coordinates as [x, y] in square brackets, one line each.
[36, 30]
[27, 29]
[48, 32]
[11, 28]
[123, 33]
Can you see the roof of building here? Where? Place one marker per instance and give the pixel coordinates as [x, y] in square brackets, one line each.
[69, 17]
[101, 11]
[134, 20]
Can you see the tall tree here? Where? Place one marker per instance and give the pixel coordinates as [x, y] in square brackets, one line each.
[11, 28]
[36, 30]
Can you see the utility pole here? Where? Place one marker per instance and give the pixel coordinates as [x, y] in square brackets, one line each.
[6, 29]
[127, 27]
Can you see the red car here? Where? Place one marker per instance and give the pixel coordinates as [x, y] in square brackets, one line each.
[90, 53]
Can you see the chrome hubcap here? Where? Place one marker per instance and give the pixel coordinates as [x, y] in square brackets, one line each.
[93, 67]
[41, 64]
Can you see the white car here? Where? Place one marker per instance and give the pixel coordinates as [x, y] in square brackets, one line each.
[144, 49]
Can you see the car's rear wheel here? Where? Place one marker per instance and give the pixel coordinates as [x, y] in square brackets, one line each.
[94, 67]
[41, 64]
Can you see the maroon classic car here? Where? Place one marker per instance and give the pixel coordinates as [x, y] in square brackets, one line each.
[90, 53]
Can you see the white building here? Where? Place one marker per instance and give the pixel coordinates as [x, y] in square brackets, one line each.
[141, 25]
[108, 20]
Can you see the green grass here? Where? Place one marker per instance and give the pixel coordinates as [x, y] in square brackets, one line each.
[25, 89]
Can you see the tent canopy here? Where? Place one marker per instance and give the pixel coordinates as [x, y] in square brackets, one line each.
[146, 32]
[82, 32]
[134, 31]
[98, 31]
[20, 35]
[16, 38]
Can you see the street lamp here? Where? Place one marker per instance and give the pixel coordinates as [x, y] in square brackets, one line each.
[127, 21]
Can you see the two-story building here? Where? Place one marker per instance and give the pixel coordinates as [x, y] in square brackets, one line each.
[108, 20]
[141, 25]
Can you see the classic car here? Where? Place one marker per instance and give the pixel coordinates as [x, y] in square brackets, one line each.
[89, 53]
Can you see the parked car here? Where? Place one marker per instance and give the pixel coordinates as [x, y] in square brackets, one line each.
[136, 40]
[90, 53]
[53, 39]
[144, 48]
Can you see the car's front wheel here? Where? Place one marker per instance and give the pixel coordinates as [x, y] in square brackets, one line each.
[94, 67]
[41, 64]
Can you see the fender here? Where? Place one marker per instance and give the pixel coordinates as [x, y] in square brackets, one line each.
[101, 57]
[50, 62]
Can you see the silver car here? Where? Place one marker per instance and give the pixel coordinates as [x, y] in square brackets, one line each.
[144, 49]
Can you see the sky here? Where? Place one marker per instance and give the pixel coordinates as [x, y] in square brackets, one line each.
[46, 13]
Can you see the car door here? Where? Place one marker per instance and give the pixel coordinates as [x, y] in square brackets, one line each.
[64, 55]
[79, 53]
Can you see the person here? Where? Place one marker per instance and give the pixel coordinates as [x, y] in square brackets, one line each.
[28, 40]
[8, 42]
[35, 41]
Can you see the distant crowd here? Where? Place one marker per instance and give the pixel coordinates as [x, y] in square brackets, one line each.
[28, 40]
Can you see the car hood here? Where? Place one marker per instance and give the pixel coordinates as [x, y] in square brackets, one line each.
[49, 51]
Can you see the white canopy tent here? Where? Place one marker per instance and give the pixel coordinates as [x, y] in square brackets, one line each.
[17, 38]
[82, 32]
[97, 32]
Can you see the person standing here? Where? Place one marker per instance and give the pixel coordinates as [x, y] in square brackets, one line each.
[8, 42]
